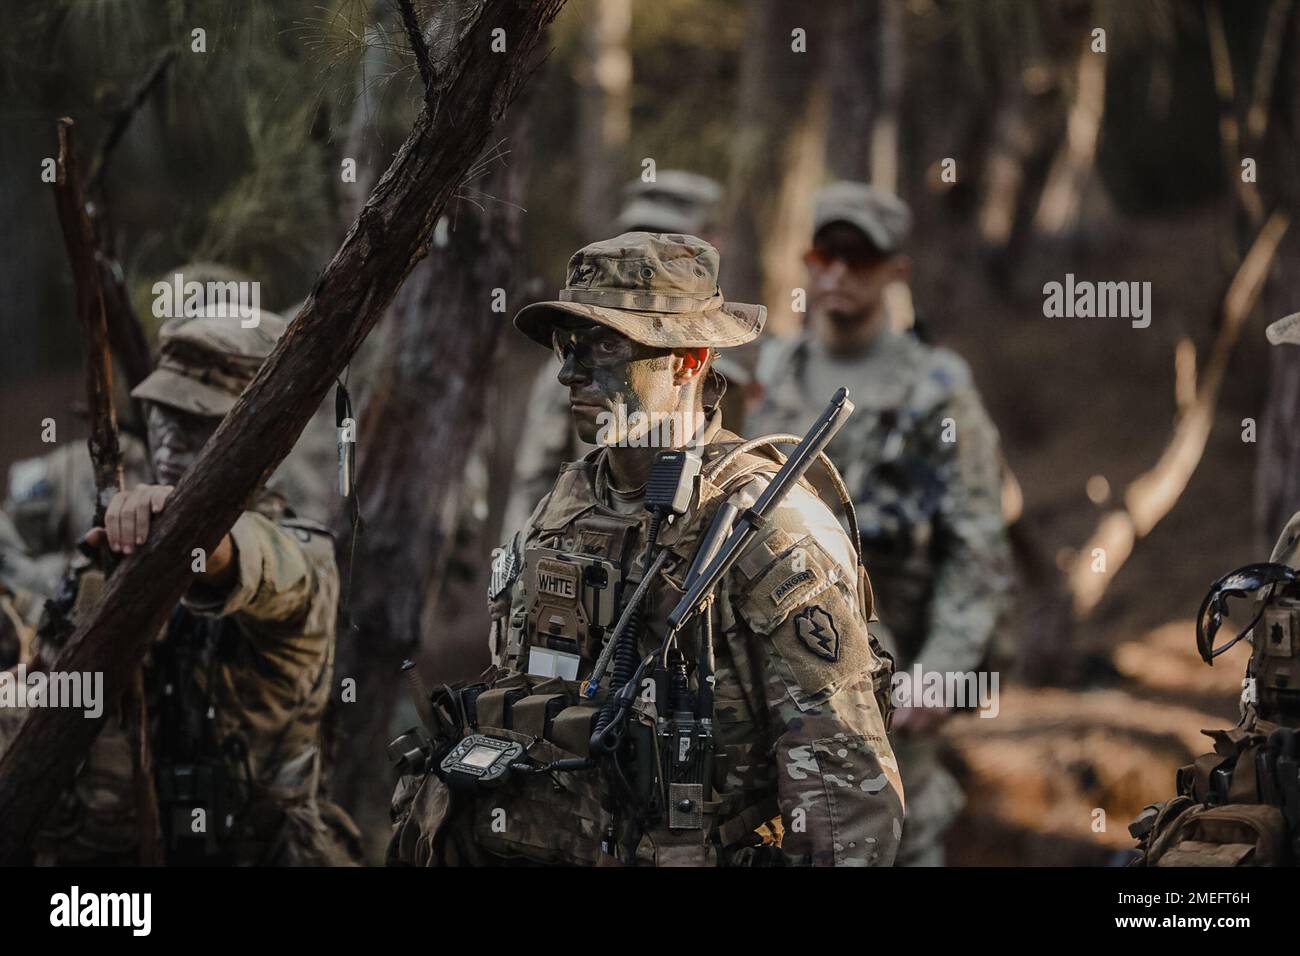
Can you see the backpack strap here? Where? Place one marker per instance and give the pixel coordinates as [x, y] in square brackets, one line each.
[735, 460]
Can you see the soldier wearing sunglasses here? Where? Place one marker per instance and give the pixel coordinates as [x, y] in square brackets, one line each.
[920, 458]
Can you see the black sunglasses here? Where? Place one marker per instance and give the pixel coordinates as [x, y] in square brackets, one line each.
[1241, 583]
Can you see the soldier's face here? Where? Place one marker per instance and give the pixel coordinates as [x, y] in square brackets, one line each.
[610, 378]
[175, 440]
[848, 276]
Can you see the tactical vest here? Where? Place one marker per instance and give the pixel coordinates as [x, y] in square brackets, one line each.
[196, 767]
[1233, 805]
[1240, 804]
[580, 563]
[896, 487]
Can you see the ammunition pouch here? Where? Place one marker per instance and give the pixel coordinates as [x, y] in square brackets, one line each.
[1190, 834]
[200, 806]
[1237, 806]
[529, 817]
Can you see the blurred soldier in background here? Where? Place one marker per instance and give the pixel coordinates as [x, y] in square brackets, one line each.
[239, 679]
[678, 202]
[51, 501]
[20, 596]
[51, 498]
[920, 458]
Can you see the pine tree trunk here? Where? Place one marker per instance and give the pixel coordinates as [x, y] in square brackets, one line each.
[604, 113]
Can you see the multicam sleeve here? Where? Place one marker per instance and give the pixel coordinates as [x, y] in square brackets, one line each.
[973, 560]
[838, 787]
[280, 572]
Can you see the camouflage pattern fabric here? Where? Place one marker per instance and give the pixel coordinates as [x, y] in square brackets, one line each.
[51, 501]
[268, 685]
[659, 289]
[920, 458]
[799, 728]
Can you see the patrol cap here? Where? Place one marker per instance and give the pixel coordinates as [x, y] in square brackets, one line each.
[882, 217]
[205, 362]
[677, 201]
[659, 289]
[1285, 330]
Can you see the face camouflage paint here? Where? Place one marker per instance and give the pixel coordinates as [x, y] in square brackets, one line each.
[175, 440]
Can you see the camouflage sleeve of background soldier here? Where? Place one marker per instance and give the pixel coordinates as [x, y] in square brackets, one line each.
[838, 785]
[973, 559]
[284, 574]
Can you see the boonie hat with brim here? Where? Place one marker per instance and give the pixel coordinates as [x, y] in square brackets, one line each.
[882, 217]
[207, 361]
[659, 289]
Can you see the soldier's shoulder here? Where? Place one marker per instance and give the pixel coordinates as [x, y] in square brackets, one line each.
[277, 532]
[42, 477]
[801, 519]
[775, 355]
[572, 494]
[1288, 542]
[942, 371]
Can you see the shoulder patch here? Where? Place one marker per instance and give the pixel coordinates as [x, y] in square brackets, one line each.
[816, 629]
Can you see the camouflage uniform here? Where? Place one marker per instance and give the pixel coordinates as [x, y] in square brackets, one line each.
[238, 681]
[920, 457]
[800, 734]
[51, 501]
[678, 201]
[24, 586]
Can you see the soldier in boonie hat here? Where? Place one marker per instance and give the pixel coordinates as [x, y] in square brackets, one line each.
[205, 363]
[634, 298]
[676, 201]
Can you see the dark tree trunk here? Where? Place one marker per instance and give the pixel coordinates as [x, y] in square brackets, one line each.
[853, 76]
[776, 85]
[604, 114]
[415, 437]
[389, 237]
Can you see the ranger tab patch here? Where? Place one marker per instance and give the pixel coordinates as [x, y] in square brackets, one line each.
[816, 628]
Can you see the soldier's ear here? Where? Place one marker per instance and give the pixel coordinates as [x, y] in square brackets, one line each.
[689, 364]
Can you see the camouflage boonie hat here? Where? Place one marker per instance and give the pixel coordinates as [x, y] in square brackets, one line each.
[677, 201]
[206, 362]
[1285, 331]
[657, 289]
[882, 217]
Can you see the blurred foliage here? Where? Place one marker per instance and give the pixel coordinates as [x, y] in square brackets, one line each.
[237, 157]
